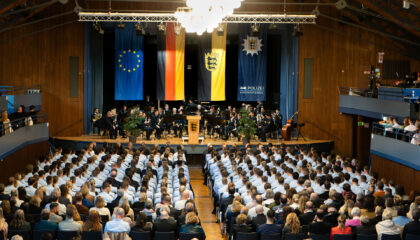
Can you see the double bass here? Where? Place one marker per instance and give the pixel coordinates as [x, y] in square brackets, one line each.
[286, 130]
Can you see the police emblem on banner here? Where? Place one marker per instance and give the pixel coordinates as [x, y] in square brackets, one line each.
[252, 45]
[211, 61]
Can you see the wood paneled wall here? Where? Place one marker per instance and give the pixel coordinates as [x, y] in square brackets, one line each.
[43, 58]
[18, 160]
[400, 174]
[340, 55]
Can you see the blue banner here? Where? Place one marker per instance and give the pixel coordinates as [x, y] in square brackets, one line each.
[128, 64]
[252, 64]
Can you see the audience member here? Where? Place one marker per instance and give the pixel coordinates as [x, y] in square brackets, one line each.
[341, 227]
[45, 224]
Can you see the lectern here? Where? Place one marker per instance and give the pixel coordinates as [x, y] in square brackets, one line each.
[193, 129]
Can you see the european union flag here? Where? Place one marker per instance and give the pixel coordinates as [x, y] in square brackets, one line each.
[128, 65]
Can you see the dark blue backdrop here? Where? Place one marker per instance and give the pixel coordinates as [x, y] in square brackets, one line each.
[128, 64]
[252, 68]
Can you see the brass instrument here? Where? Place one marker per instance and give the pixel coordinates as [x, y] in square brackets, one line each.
[96, 117]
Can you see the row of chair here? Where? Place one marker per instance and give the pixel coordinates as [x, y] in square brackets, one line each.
[289, 236]
[96, 235]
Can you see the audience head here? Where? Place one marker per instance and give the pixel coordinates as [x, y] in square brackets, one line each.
[191, 218]
[45, 214]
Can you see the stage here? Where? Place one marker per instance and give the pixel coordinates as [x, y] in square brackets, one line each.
[79, 142]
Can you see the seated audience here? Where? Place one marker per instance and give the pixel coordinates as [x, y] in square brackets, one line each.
[165, 223]
[54, 211]
[45, 224]
[319, 226]
[70, 224]
[142, 225]
[366, 228]
[414, 226]
[401, 220]
[3, 224]
[19, 223]
[341, 228]
[241, 225]
[93, 223]
[292, 225]
[192, 225]
[270, 227]
[117, 224]
[100, 207]
[355, 221]
[387, 226]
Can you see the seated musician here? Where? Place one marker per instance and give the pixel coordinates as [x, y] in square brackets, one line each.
[210, 126]
[146, 125]
[94, 119]
[278, 119]
[155, 124]
[108, 124]
[179, 125]
[267, 126]
[231, 126]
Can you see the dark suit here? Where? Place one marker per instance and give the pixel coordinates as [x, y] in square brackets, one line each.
[331, 219]
[319, 228]
[236, 228]
[365, 230]
[270, 229]
[306, 218]
[165, 225]
[260, 219]
[45, 225]
[411, 228]
[225, 203]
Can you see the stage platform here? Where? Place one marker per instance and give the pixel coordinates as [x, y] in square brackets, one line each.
[79, 142]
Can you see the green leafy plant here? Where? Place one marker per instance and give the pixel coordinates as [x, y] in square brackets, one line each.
[133, 123]
[247, 128]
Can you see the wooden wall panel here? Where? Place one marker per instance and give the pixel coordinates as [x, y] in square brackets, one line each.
[18, 160]
[400, 174]
[341, 54]
[43, 58]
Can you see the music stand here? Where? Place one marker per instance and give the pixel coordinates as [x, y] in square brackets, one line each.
[299, 133]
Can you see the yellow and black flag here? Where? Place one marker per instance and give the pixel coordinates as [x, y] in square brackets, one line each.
[212, 66]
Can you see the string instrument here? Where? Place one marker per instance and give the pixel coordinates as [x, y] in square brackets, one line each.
[286, 130]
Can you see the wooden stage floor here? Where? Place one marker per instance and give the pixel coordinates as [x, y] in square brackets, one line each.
[177, 140]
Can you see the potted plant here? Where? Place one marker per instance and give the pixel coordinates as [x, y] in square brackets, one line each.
[247, 127]
[132, 126]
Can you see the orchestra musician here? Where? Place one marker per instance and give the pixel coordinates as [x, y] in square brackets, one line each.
[180, 125]
[266, 126]
[231, 126]
[96, 115]
[155, 121]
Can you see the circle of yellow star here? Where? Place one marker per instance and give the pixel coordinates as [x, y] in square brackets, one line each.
[119, 60]
[138, 56]
[129, 50]
[134, 69]
[138, 60]
[129, 70]
[138, 66]
[120, 55]
[134, 52]
[123, 69]
[120, 65]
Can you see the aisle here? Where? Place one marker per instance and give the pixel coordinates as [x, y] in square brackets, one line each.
[204, 204]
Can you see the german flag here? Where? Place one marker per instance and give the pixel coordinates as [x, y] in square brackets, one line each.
[212, 66]
[171, 57]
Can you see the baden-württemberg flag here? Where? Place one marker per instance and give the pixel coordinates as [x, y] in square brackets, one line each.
[170, 59]
[128, 64]
[212, 66]
[252, 64]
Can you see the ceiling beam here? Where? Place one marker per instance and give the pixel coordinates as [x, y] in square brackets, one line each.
[12, 4]
[7, 25]
[375, 6]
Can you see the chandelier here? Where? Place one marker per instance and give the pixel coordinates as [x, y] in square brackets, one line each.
[200, 16]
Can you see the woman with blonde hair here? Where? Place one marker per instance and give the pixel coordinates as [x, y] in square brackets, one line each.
[292, 224]
[35, 205]
[3, 224]
[302, 203]
[100, 207]
[341, 227]
[5, 121]
[93, 223]
[192, 225]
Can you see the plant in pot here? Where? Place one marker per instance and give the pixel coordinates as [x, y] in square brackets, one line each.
[132, 126]
[247, 127]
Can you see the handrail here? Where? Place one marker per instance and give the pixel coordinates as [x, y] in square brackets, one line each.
[396, 133]
[12, 90]
[364, 92]
[28, 120]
